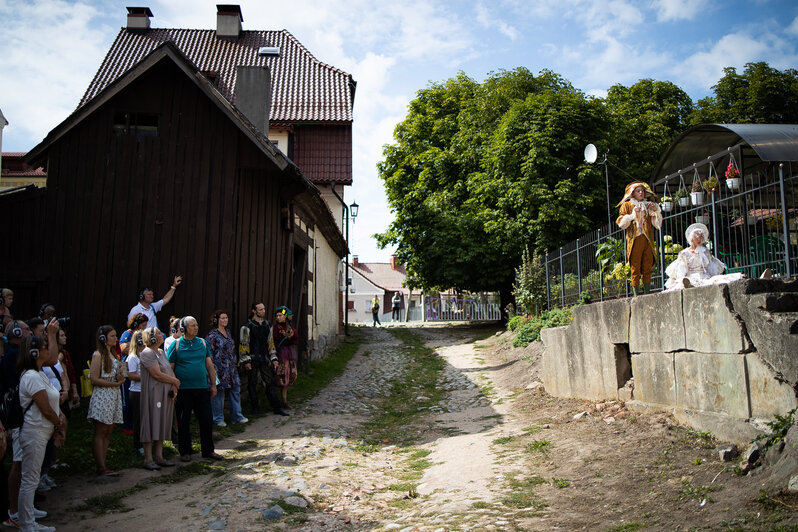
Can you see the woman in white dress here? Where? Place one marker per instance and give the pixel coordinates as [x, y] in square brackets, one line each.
[695, 266]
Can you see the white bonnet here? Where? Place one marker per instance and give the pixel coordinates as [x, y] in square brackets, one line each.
[696, 228]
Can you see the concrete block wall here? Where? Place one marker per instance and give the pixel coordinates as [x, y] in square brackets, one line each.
[691, 353]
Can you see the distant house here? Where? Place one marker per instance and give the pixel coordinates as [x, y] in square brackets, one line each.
[16, 172]
[160, 174]
[382, 279]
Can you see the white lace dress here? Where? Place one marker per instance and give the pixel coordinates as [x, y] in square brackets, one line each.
[700, 267]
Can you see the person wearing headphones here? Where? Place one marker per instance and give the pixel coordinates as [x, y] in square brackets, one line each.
[105, 406]
[147, 304]
[222, 345]
[190, 358]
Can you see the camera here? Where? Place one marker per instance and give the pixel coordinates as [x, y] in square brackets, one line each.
[63, 322]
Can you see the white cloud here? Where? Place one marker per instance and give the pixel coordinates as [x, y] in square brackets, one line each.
[792, 29]
[487, 20]
[705, 68]
[668, 10]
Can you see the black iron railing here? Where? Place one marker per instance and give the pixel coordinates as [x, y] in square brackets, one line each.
[752, 223]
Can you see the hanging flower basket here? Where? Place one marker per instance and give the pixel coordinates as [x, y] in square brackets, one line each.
[697, 198]
[681, 196]
[667, 206]
[733, 180]
[684, 202]
[702, 219]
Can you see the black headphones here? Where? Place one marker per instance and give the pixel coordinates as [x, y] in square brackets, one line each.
[43, 308]
[141, 293]
[140, 342]
[182, 325]
[34, 347]
[153, 337]
[173, 330]
[135, 324]
[15, 331]
[102, 337]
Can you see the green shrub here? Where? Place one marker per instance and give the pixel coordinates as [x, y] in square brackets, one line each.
[529, 331]
[515, 322]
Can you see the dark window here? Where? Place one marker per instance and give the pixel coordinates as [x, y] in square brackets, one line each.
[138, 124]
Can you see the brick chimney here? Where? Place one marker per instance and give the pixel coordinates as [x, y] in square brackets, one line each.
[394, 264]
[354, 261]
[138, 19]
[228, 21]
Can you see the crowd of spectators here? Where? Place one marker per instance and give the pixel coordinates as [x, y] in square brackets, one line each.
[148, 382]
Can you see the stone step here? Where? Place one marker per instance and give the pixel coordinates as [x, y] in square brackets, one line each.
[777, 301]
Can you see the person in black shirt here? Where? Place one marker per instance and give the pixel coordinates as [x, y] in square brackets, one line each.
[258, 358]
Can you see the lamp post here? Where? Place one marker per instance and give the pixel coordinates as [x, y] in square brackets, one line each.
[591, 154]
[347, 210]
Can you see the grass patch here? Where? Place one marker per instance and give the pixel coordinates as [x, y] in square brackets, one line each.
[688, 491]
[481, 505]
[561, 482]
[503, 440]
[538, 446]
[532, 429]
[400, 421]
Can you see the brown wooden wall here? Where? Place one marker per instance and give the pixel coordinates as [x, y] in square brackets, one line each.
[122, 212]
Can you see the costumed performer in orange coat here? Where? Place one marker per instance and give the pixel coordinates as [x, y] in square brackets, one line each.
[639, 215]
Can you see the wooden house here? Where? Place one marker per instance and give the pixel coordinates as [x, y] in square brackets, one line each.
[159, 173]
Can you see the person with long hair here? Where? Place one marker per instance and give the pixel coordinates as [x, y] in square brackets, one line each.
[286, 339]
[223, 354]
[159, 388]
[39, 402]
[174, 333]
[105, 406]
[134, 393]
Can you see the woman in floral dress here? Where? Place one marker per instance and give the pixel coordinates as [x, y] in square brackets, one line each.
[225, 360]
[105, 406]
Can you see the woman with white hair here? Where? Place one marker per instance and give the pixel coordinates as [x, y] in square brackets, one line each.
[190, 358]
[695, 265]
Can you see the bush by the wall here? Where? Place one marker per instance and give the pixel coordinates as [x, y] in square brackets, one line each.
[529, 331]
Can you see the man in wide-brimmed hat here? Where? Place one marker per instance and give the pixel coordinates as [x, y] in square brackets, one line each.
[639, 215]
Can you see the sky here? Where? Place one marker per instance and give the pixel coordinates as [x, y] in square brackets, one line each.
[51, 49]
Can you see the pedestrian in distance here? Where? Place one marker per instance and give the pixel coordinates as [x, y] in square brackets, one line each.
[375, 310]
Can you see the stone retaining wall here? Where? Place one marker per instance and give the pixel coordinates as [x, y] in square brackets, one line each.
[720, 358]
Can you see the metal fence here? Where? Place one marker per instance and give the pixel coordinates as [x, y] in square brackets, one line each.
[456, 309]
[752, 223]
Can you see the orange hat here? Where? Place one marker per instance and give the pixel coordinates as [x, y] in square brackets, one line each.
[631, 188]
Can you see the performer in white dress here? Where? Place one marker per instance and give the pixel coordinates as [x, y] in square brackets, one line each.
[695, 265]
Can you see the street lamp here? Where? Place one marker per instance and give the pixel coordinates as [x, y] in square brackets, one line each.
[352, 209]
[591, 154]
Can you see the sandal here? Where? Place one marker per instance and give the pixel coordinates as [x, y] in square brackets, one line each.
[152, 466]
[105, 472]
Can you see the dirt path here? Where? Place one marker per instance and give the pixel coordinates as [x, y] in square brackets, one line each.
[487, 449]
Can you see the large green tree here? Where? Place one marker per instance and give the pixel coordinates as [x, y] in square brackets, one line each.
[644, 119]
[479, 170]
[759, 95]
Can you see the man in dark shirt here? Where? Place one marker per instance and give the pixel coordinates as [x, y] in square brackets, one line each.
[257, 334]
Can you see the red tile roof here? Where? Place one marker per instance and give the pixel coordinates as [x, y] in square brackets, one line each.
[324, 152]
[14, 166]
[303, 88]
[382, 275]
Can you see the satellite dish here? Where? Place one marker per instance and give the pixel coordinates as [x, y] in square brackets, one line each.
[591, 154]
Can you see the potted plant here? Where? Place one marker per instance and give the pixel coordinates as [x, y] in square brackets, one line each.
[702, 218]
[667, 203]
[682, 198]
[711, 184]
[733, 179]
[697, 194]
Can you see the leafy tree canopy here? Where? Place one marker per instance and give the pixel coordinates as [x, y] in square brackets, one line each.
[479, 171]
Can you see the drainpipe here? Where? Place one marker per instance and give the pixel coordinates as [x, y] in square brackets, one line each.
[345, 215]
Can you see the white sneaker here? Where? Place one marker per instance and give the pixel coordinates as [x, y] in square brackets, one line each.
[43, 528]
[243, 420]
[50, 482]
[37, 514]
[221, 424]
[43, 485]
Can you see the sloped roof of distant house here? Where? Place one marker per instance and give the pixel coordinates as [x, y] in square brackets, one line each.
[382, 275]
[303, 88]
[14, 166]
